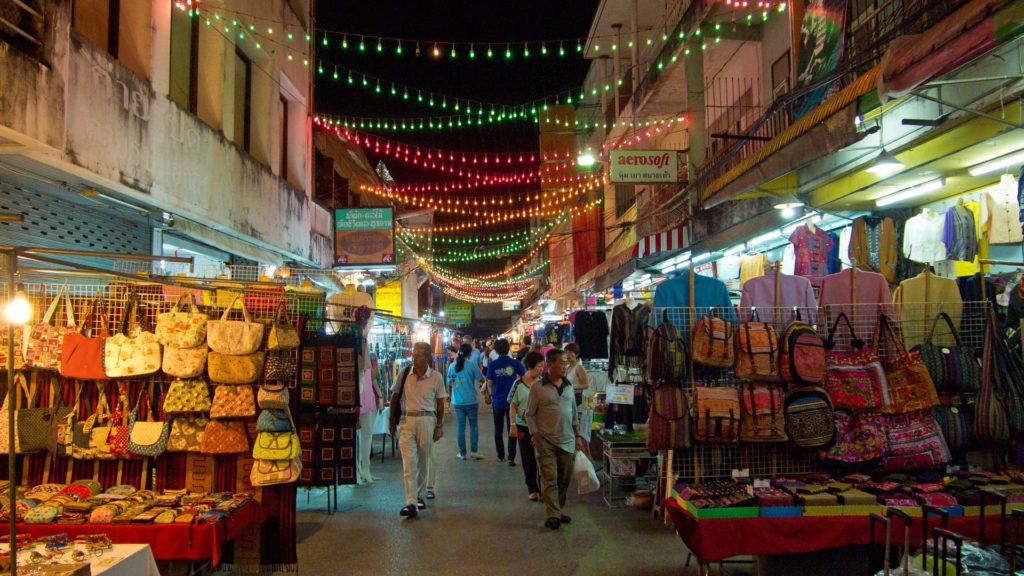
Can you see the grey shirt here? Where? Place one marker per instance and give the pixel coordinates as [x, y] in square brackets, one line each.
[551, 414]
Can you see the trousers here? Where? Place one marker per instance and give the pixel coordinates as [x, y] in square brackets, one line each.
[416, 441]
[365, 450]
[556, 468]
[501, 426]
[464, 413]
[529, 459]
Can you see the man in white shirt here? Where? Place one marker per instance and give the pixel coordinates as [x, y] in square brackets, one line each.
[419, 397]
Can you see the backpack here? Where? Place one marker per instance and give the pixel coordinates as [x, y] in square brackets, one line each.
[802, 354]
[712, 342]
[670, 361]
[761, 418]
[810, 422]
[757, 351]
[668, 427]
[716, 414]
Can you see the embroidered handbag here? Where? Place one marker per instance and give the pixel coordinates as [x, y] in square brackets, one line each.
[147, 438]
[234, 337]
[668, 427]
[854, 380]
[233, 402]
[952, 368]
[187, 396]
[283, 335]
[271, 472]
[991, 418]
[761, 416]
[276, 446]
[712, 342]
[716, 414]
[179, 328]
[280, 365]
[131, 356]
[185, 362]
[810, 420]
[187, 433]
[274, 420]
[228, 369]
[224, 437]
[801, 354]
[44, 341]
[273, 396]
[670, 361]
[860, 437]
[120, 430]
[910, 388]
[82, 355]
[914, 441]
[757, 351]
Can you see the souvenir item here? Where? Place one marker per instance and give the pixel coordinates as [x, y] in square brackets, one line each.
[276, 446]
[809, 417]
[910, 387]
[801, 354]
[281, 365]
[283, 335]
[81, 354]
[761, 418]
[187, 433]
[185, 362]
[234, 337]
[147, 438]
[670, 361]
[270, 472]
[44, 341]
[274, 421]
[716, 414]
[34, 423]
[235, 369]
[952, 368]
[187, 396]
[273, 395]
[224, 437]
[854, 380]
[757, 351]
[914, 441]
[668, 427]
[860, 437]
[134, 351]
[180, 328]
[712, 342]
[233, 402]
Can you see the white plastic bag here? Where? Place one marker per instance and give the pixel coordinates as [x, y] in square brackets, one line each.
[586, 476]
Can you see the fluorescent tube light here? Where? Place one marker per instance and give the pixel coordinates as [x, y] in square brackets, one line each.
[997, 164]
[911, 192]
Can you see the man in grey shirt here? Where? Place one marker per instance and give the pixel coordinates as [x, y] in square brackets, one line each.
[554, 426]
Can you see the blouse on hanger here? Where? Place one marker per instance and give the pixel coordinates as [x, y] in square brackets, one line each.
[794, 292]
[629, 335]
[811, 250]
[919, 300]
[999, 211]
[873, 246]
[922, 237]
[751, 266]
[873, 299]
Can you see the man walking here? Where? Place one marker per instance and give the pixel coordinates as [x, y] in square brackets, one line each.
[554, 425]
[418, 397]
[501, 375]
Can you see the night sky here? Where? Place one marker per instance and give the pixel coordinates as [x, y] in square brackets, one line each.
[497, 80]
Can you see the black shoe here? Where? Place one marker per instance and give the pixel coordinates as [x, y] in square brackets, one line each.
[501, 458]
[420, 503]
[409, 511]
[552, 523]
[565, 519]
[511, 462]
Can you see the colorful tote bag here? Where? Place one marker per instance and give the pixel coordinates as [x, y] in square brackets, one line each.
[274, 420]
[909, 386]
[235, 369]
[952, 368]
[854, 380]
[668, 427]
[81, 354]
[276, 446]
[134, 351]
[273, 396]
[860, 437]
[44, 341]
[716, 414]
[234, 337]
[187, 434]
[185, 362]
[233, 402]
[182, 328]
[224, 437]
[187, 396]
[283, 335]
[147, 438]
[120, 429]
[914, 441]
[271, 472]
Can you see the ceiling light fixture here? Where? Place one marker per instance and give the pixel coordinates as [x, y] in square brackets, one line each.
[789, 208]
[997, 164]
[885, 165]
[911, 192]
[701, 257]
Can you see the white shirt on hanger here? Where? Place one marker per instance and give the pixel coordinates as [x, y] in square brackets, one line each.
[844, 246]
[922, 237]
[1000, 212]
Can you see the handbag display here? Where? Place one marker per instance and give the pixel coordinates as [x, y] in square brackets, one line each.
[955, 423]
[224, 437]
[991, 418]
[19, 347]
[180, 328]
[187, 396]
[229, 369]
[234, 337]
[44, 341]
[668, 427]
[89, 439]
[185, 362]
[761, 416]
[283, 335]
[276, 446]
[274, 420]
[81, 354]
[801, 354]
[120, 430]
[716, 414]
[273, 396]
[187, 434]
[34, 423]
[1009, 379]
[670, 361]
[909, 387]
[712, 342]
[854, 380]
[860, 437]
[757, 351]
[62, 431]
[271, 472]
[233, 402]
[134, 351]
[147, 438]
[21, 391]
[810, 419]
[914, 441]
[280, 365]
[952, 368]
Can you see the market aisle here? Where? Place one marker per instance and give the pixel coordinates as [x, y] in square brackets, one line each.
[481, 524]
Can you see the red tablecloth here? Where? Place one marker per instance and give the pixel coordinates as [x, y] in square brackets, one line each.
[716, 539]
[168, 541]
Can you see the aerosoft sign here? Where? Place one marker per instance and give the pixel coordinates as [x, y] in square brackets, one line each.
[644, 166]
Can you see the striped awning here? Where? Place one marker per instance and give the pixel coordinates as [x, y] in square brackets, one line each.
[661, 242]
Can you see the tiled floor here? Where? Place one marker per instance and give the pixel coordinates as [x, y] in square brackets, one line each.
[481, 524]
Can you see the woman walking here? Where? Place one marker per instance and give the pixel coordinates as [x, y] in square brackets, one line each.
[575, 373]
[517, 399]
[463, 375]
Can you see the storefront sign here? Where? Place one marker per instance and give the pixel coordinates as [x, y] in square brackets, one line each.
[619, 394]
[644, 166]
[364, 237]
[510, 305]
[389, 298]
[458, 313]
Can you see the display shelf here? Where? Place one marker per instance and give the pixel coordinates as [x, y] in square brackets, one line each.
[624, 465]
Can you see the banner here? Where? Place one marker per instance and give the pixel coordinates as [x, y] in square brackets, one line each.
[822, 34]
[388, 298]
[587, 240]
[364, 237]
[458, 313]
[643, 166]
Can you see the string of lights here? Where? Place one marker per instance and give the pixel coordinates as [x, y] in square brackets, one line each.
[476, 206]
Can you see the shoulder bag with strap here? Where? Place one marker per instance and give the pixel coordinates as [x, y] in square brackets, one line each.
[182, 328]
[991, 417]
[712, 341]
[81, 354]
[34, 422]
[954, 368]
[716, 414]
[45, 340]
[854, 379]
[234, 337]
[668, 427]
[148, 438]
[670, 361]
[910, 387]
[762, 418]
[801, 354]
[134, 351]
[757, 350]
[395, 411]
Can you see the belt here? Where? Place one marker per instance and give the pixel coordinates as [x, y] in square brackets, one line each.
[419, 413]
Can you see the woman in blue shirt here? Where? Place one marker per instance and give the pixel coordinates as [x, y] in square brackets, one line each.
[463, 375]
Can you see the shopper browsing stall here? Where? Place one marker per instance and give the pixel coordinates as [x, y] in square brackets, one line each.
[518, 400]
[501, 374]
[554, 425]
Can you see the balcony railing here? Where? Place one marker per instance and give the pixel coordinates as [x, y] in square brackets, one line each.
[22, 24]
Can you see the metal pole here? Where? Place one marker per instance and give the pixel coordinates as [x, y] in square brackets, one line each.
[12, 493]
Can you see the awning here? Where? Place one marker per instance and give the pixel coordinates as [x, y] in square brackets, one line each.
[614, 269]
[668, 240]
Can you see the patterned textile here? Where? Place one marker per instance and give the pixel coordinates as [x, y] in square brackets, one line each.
[914, 441]
[855, 380]
[860, 437]
[959, 234]
[812, 250]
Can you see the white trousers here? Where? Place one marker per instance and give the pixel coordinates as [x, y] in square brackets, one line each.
[365, 438]
[416, 441]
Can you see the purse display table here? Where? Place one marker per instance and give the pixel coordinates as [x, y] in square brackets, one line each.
[168, 541]
[716, 539]
[120, 560]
